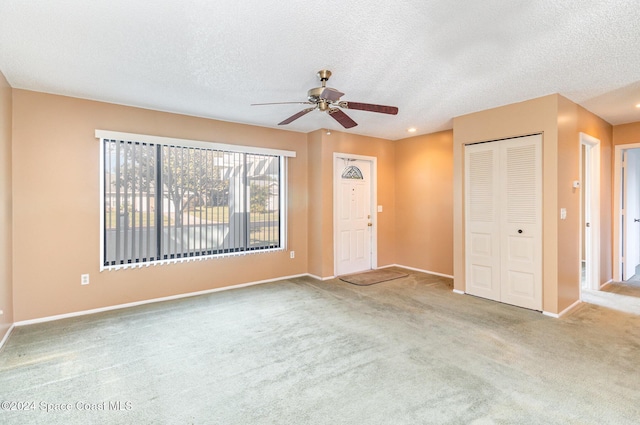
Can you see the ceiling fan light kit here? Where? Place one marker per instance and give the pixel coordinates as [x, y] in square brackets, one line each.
[327, 99]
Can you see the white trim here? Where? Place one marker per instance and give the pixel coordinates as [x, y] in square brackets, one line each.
[320, 278]
[457, 291]
[151, 301]
[617, 190]
[101, 230]
[373, 207]
[284, 203]
[420, 270]
[5, 338]
[563, 312]
[117, 267]
[171, 141]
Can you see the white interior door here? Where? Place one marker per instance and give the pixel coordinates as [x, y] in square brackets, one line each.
[503, 228]
[631, 212]
[354, 221]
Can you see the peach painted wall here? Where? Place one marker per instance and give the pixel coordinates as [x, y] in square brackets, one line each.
[321, 150]
[595, 126]
[625, 134]
[56, 207]
[518, 119]
[6, 195]
[424, 202]
[568, 198]
[573, 119]
[316, 225]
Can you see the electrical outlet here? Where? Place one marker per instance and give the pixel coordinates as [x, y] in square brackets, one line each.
[292, 254]
[84, 279]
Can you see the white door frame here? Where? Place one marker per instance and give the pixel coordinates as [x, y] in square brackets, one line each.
[337, 157]
[617, 191]
[591, 192]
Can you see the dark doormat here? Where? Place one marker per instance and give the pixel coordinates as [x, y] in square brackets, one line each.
[372, 277]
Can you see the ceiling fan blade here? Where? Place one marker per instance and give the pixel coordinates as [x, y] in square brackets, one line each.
[342, 118]
[383, 109]
[282, 103]
[294, 117]
[331, 94]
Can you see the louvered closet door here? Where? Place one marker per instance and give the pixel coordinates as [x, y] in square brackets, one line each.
[482, 242]
[521, 229]
[503, 229]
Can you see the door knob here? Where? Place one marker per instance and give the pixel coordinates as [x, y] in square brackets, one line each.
[519, 230]
[635, 220]
[369, 224]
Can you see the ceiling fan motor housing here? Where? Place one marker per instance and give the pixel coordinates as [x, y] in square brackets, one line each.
[314, 94]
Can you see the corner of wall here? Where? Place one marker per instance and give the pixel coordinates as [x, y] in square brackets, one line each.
[314, 194]
[6, 208]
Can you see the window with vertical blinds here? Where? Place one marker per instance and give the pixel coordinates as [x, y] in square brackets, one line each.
[167, 202]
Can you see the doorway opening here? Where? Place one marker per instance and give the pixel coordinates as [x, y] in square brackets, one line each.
[590, 212]
[627, 213]
[623, 293]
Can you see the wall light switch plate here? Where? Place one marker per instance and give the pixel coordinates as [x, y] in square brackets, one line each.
[292, 254]
[563, 213]
[379, 208]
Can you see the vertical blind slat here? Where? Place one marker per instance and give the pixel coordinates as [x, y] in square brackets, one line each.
[133, 202]
[170, 202]
[118, 177]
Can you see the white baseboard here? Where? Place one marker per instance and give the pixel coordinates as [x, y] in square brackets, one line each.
[6, 335]
[418, 270]
[457, 291]
[610, 281]
[150, 301]
[563, 312]
[320, 278]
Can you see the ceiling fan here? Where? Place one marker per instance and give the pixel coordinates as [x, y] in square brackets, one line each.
[328, 100]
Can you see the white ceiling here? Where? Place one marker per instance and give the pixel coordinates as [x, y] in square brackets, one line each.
[433, 59]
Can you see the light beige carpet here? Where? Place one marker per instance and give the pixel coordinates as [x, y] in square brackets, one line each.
[304, 351]
[372, 277]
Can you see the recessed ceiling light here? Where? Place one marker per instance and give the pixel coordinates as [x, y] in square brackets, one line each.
[411, 130]
[638, 105]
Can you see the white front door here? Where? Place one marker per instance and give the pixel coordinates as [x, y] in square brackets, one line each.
[353, 216]
[503, 210]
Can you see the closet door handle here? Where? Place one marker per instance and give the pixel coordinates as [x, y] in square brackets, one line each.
[519, 230]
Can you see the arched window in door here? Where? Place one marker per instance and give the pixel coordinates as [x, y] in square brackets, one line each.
[352, 172]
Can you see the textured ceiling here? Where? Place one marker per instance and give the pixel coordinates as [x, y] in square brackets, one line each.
[433, 59]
